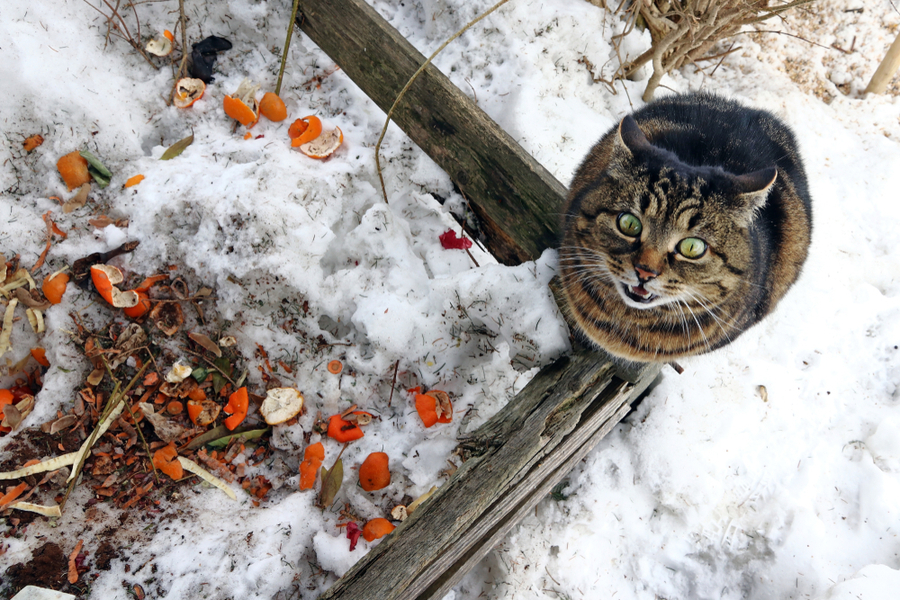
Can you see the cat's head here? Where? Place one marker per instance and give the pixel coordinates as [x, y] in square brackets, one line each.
[662, 231]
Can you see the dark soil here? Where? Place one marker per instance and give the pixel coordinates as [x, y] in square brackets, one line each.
[48, 568]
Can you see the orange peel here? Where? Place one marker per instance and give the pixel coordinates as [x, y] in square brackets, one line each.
[324, 145]
[242, 106]
[73, 168]
[105, 278]
[312, 130]
[272, 107]
[187, 91]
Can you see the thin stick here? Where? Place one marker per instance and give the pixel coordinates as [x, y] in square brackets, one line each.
[117, 396]
[409, 83]
[182, 68]
[131, 413]
[394, 381]
[287, 45]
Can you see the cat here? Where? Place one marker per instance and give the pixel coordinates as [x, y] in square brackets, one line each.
[684, 226]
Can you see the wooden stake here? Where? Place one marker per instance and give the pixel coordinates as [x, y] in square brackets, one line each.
[885, 71]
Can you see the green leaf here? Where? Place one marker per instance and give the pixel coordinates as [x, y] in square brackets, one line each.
[97, 169]
[177, 148]
[331, 483]
[101, 179]
[200, 374]
[95, 162]
[247, 435]
[218, 382]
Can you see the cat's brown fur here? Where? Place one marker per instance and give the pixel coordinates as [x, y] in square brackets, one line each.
[690, 166]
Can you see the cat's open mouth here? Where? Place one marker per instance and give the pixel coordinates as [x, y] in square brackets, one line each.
[639, 294]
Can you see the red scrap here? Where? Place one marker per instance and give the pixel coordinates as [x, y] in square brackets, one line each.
[450, 242]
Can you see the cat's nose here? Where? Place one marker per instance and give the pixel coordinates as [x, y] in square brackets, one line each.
[644, 273]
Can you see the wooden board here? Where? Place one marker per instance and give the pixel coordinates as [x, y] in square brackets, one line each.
[518, 200]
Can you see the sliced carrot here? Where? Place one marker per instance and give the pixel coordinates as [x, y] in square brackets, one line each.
[166, 460]
[374, 473]
[133, 181]
[14, 493]
[32, 142]
[377, 528]
[335, 367]
[309, 468]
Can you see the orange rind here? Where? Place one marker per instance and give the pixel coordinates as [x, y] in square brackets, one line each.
[73, 168]
[272, 107]
[324, 145]
[242, 105]
[306, 129]
[161, 46]
[187, 91]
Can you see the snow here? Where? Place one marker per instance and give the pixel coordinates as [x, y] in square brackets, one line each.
[712, 488]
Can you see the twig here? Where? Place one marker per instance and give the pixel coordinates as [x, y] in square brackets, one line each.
[409, 83]
[131, 413]
[117, 396]
[182, 68]
[287, 45]
[394, 381]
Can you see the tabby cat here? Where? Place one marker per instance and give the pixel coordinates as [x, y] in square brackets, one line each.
[685, 225]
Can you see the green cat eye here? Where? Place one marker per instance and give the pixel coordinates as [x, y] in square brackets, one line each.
[629, 224]
[691, 247]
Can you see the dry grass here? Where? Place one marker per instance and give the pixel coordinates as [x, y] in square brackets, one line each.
[686, 31]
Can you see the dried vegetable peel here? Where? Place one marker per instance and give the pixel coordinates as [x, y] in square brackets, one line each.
[205, 475]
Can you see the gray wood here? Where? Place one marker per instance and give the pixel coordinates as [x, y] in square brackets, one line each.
[518, 200]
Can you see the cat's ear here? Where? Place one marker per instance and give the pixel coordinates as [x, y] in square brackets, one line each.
[752, 191]
[631, 137]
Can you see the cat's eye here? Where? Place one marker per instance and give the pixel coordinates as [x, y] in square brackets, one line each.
[629, 224]
[691, 247]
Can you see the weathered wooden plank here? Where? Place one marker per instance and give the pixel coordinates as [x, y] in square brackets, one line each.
[503, 183]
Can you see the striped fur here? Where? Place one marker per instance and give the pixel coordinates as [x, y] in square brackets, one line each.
[687, 166]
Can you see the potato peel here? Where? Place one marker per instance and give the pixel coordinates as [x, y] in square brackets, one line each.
[7, 326]
[206, 476]
[47, 511]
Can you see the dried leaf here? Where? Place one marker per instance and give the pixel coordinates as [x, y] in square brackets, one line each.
[100, 222]
[168, 317]
[196, 469]
[61, 423]
[96, 376]
[246, 435]
[206, 343]
[166, 429]
[32, 299]
[78, 200]
[11, 416]
[177, 148]
[130, 340]
[331, 483]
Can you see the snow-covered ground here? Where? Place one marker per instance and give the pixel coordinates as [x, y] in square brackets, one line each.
[769, 469]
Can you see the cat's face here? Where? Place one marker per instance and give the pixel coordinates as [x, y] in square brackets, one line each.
[663, 236]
